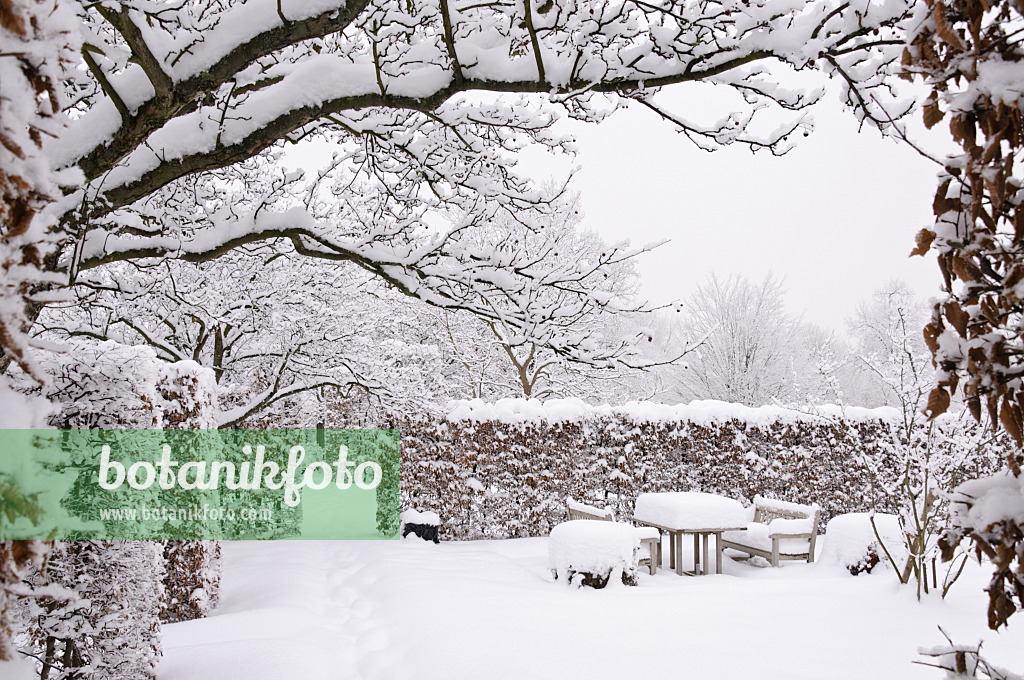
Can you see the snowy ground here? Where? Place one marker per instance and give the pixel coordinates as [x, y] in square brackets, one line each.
[391, 610]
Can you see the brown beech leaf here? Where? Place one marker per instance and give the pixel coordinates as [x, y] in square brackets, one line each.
[943, 29]
[1009, 416]
[9, 144]
[974, 405]
[993, 410]
[958, 318]
[932, 114]
[931, 336]
[941, 204]
[10, 20]
[1013, 278]
[990, 311]
[966, 270]
[924, 242]
[938, 402]
[956, 128]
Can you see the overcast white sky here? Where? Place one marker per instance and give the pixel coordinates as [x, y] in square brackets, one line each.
[836, 216]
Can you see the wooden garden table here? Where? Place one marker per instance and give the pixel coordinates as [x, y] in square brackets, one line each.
[689, 512]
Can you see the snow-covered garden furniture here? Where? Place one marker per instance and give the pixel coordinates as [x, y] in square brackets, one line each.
[589, 553]
[779, 531]
[422, 524]
[690, 512]
[851, 543]
[650, 537]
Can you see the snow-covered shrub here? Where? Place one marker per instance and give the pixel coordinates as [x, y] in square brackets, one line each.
[969, 56]
[851, 542]
[388, 492]
[17, 560]
[991, 511]
[192, 578]
[964, 661]
[591, 553]
[192, 581]
[102, 620]
[111, 385]
[38, 42]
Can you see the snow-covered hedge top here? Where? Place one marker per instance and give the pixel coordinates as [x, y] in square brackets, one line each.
[697, 412]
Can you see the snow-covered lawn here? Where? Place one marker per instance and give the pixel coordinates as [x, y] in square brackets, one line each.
[391, 610]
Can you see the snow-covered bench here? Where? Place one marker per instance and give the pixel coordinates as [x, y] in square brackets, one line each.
[649, 536]
[779, 531]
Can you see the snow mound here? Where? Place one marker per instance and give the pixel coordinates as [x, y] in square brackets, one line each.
[850, 540]
[593, 547]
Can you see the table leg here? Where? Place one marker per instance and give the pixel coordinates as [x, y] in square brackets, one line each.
[718, 550]
[696, 553]
[679, 554]
[704, 567]
[671, 550]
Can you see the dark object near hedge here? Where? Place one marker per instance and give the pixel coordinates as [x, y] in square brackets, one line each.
[428, 532]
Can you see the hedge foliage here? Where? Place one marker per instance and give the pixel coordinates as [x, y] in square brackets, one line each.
[497, 479]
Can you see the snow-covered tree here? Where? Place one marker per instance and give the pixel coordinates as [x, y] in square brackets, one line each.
[181, 110]
[889, 352]
[818, 366]
[37, 46]
[273, 325]
[747, 341]
[501, 360]
[269, 324]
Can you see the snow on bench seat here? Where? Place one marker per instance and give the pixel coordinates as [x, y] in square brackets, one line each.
[758, 536]
[780, 531]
